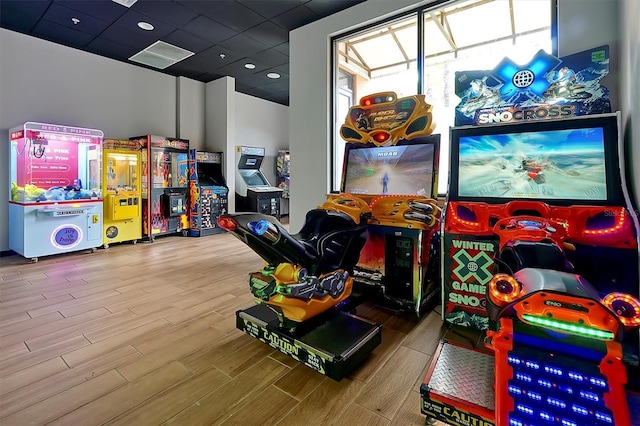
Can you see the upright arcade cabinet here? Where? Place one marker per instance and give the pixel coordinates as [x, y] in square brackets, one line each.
[207, 192]
[254, 193]
[55, 203]
[165, 181]
[391, 161]
[122, 191]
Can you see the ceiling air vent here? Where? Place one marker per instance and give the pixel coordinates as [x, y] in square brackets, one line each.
[125, 3]
[161, 55]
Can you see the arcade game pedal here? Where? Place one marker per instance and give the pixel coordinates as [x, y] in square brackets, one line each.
[304, 287]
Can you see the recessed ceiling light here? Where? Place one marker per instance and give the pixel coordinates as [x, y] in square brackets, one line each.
[273, 75]
[249, 66]
[145, 26]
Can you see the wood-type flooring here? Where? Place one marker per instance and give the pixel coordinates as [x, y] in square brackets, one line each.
[145, 334]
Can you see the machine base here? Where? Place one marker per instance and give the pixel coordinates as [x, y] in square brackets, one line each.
[334, 348]
[458, 388]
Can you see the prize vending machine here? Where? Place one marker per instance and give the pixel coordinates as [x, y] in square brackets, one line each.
[164, 182]
[122, 191]
[208, 193]
[283, 161]
[55, 203]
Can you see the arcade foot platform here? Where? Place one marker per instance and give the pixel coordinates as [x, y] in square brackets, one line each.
[459, 389]
[334, 348]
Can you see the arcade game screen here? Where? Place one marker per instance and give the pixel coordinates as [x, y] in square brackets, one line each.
[555, 164]
[397, 170]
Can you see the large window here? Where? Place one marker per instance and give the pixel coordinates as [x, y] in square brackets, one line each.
[455, 36]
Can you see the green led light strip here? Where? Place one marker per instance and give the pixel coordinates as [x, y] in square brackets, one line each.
[568, 327]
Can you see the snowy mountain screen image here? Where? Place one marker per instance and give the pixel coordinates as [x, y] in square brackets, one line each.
[397, 170]
[566, 164]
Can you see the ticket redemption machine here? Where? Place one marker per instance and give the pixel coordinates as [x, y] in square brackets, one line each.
[121, 171]
[55, 203]
[391, 161]
[254, 193]
[165, 181]
[540, 250]
[208, 192]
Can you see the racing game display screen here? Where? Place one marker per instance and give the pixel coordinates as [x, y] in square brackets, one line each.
[393, 170]
[561, 164]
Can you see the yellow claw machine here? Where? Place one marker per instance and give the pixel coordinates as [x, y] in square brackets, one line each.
[122, 191]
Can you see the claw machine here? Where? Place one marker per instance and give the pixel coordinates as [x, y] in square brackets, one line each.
[55, 203]
[122, 191]
[283, 179]
[164, 183]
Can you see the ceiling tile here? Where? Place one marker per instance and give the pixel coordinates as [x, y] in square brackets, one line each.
[209, 30]
[243, 45]
[295, 18]
[63, 15]
[137, 39]
[329, 7]
[233, 14]
[14, 16]
[187, 41]
[283, 48]
[269, 57]
[270, 8]
[103, 47]
[168, 12]
[105, 10]
[63, 35]
[130, 21]
[268, 34]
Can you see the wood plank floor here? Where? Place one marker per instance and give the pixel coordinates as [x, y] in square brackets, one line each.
[145, 334]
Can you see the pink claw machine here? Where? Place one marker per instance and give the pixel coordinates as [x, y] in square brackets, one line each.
[55, 201]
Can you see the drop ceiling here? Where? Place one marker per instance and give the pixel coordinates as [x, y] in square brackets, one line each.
[223, 35]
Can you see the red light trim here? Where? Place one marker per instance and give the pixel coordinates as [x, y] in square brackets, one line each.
[499, 297]
[462, 221]
[620, 221]
[227, 223]
[381, 137]
[631, 301]
[366, 102]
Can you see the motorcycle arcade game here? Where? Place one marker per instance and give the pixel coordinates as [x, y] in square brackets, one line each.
[165, 178]
[208, 192]
[552, 274]
[254, 193]
[305, 290]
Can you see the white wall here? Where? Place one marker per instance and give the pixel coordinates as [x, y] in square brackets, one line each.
[43, 81]
[191, 107]
[629, 81]
[220, 127]
[264, 124]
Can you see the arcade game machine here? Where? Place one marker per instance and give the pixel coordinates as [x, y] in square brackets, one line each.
[541, 251]
[121, 170]
[304, 292]
[207, 192]
[254, 193]
[391, 161]
[165, 178]
[55, 203]
[283, 179]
